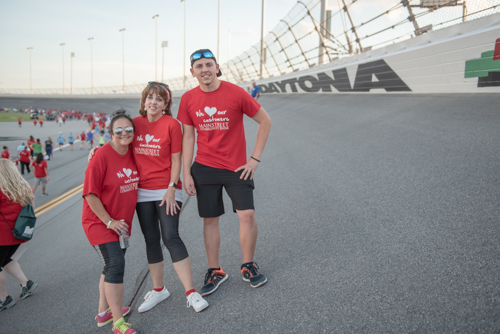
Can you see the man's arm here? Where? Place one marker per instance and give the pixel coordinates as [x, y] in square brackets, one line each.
[264, 121]
[188, 138]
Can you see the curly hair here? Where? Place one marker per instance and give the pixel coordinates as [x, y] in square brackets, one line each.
[12, 183]
[160, 91]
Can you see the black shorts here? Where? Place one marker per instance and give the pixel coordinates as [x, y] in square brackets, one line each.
[209, 181]
[6, 253]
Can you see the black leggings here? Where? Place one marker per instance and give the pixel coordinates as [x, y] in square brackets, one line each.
[149, 213]
[114, 261]
[25, 164]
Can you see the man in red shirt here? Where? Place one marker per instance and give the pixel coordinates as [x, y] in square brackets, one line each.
[20, 121]
[216, 109]
[41, 123]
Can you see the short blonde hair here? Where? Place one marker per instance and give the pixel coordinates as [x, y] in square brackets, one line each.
[12, 183]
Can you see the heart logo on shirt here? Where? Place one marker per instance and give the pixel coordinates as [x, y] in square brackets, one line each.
[127, 171]
[149, 138]
[210, 111]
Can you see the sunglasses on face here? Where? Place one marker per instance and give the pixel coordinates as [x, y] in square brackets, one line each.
[199, 55]
[152, 83]
[119, 131]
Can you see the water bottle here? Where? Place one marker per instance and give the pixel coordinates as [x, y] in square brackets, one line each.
[124, 239]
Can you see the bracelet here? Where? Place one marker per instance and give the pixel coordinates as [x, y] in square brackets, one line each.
[255, 159]
[109, 222]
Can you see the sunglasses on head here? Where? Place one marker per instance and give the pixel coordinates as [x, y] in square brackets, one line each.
[152, 83]
[119, 131]
[199, 55]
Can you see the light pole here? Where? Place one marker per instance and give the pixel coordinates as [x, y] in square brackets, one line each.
[63, 44]
[156, 47]
[228, 42]
[71, 78]
[218, 35]
[262, 60]
[31, 82]
[91, 68]
[184, 72]
[123, 56]
[164, 44]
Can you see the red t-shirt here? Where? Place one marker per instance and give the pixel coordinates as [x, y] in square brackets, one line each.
[24, 156]
[30, 144]
[10, 210]
[82, 136]
[5, 155]
[40, 169]
[153, 146]
[218, 119]
[114, 179]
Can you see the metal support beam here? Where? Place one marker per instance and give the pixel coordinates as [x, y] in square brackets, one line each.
[244, 67]
[411, 18]
[297, 41]
[261, 57]
[251, 62]
[279, 70]
[353, 26]
[282, 49]
[321, 32]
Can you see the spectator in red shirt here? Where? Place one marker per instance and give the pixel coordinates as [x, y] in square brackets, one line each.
[25, 159]
[5, 153]
[14, 193]
[31, 141]
[40, 168]
[82, 140]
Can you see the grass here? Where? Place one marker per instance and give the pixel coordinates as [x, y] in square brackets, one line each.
[14, 116]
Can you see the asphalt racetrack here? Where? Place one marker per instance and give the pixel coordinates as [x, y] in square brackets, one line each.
[377, 214]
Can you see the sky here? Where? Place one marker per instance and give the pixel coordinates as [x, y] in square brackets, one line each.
[45, 24]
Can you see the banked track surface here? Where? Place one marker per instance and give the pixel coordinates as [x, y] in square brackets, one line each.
[377, 213]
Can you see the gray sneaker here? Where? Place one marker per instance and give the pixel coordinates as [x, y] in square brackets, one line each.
[9, 302]
[28, 289]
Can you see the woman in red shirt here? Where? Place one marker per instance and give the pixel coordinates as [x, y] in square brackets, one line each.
[14, 193]
[40, 168]
[5, 153]
[157, 152]
[110, 193]
[31, 141]
[25, 159]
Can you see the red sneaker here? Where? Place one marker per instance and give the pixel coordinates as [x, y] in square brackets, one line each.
[108, 317]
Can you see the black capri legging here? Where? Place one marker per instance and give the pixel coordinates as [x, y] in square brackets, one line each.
[149, 213]
[6, 253]
[114, 261]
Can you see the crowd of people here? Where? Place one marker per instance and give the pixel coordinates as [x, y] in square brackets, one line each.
[139, 169]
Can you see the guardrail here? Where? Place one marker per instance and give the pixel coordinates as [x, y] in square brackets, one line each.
[311, 35]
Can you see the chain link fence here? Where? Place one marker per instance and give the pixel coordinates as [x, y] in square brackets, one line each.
[310, 35]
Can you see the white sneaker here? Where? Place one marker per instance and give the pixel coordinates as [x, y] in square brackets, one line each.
[197, 302]
[152, 298]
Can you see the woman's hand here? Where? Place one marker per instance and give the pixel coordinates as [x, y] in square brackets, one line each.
[92, 152]
[171, 203]
[119, 226]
